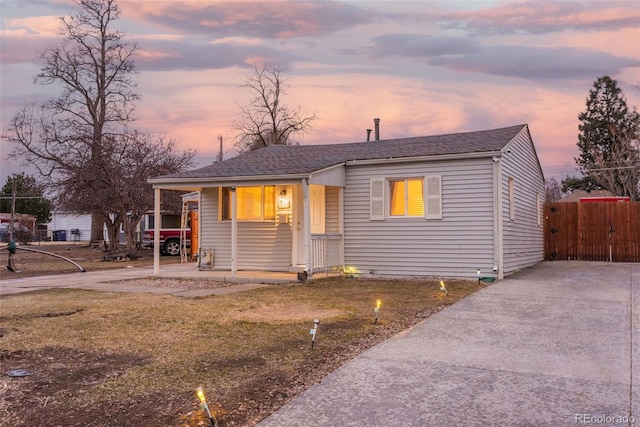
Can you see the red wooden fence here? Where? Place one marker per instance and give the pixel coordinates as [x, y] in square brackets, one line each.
[603, 231]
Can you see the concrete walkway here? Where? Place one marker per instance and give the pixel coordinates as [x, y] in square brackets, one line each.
[107, 281]
[555, 345]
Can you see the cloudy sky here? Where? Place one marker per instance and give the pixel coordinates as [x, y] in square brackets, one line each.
[422, 67]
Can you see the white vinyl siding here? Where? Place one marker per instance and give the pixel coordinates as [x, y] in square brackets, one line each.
[261, 245]
[455, 246]
[332, 225]
[523, 238]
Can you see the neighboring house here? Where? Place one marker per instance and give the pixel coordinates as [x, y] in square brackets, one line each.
[26, 220]
[66, 226]
[62, 223]
[441, 206]
[578, 195]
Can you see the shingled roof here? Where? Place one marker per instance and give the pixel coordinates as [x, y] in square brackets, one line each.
[303, 159]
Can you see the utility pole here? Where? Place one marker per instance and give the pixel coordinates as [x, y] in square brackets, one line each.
[13, 206]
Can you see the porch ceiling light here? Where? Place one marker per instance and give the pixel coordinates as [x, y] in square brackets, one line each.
[283, 202]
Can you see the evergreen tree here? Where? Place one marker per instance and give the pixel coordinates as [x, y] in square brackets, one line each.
[607, 139]
[30, 198]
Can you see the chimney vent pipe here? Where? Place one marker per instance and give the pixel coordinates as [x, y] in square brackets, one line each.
[368, 135]
[376, 122]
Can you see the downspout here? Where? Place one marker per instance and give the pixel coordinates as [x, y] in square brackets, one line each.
[199, 223]
[156, 231]
[341, 223]
[498, 235]
[234, 233]
[307, 227]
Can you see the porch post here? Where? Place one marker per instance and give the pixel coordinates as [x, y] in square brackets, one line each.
[307, 227]
[234, 234]
[156, 231]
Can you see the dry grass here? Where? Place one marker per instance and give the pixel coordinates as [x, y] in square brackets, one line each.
[249, 351]
[90, 258]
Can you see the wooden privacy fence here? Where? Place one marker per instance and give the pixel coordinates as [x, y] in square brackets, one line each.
[599, 231]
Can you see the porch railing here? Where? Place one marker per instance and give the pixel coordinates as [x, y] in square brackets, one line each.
[326, 253]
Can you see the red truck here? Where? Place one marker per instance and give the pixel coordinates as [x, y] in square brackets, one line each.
[169, 240]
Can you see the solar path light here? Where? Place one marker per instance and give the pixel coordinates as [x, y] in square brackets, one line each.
[203, 403]
[314, 331]
[443, 288]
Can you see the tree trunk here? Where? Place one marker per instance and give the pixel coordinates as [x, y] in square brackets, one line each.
[97, 227]
[130, 224]
[113, 231]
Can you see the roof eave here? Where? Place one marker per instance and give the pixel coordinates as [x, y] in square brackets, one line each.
[226, 180]
[437, 157]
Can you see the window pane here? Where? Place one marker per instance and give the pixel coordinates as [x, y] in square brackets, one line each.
[397, 197]
[415, 202]
[269, 202]
[249, 203]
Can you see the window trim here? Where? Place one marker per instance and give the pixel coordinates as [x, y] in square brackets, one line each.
[512, 199]
[380, 197]
[405, 180]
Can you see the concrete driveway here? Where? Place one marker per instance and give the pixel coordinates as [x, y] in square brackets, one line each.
[554, 345]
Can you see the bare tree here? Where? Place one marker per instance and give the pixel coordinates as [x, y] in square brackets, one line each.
[553, 190]
[123, 192]
[64, 138]
[266, 120]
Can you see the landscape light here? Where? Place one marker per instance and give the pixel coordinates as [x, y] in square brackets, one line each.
[478, 274]
[443, 288]
[203, 403]
[377, 310]
[314, 331]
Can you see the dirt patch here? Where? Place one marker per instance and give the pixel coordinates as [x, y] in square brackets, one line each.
[53, 370]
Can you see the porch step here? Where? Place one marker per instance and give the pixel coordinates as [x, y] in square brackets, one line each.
[296, 269]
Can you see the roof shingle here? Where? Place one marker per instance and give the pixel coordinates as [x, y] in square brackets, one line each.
[303, 159]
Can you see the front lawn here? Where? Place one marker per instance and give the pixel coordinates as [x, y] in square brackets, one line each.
[112, 359]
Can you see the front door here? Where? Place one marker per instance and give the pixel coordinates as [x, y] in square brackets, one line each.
[316, 220]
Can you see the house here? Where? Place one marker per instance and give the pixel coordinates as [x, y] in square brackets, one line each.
[456, 205]
[578, 195]
[67, 226]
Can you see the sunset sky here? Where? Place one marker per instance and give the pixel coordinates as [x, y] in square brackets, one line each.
[422, 67]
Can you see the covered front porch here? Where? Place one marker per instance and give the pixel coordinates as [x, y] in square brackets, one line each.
[287, 225]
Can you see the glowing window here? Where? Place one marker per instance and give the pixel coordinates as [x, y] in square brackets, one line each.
[252, 203]
[406, 197]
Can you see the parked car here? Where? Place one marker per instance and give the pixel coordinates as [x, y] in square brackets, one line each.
[21, 233]
[169, 240]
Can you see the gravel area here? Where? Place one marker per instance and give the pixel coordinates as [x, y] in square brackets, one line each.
[176, 283]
